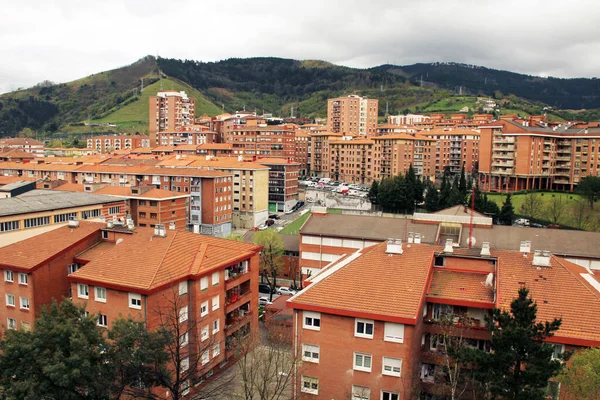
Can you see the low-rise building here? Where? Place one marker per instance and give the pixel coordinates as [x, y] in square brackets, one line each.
[263, 140]
[110, 143]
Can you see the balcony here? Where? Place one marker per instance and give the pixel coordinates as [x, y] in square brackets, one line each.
[562, 181]
[504, 141]
[563, 173]
[236, 319]
[498, 171]
[156, 180]
[563, 158]
[235, 299]
[503, 163]
[563, 166]
[564, 150]
[236, 275]
[504, 156]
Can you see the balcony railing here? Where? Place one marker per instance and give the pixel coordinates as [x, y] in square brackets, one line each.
[235, 301]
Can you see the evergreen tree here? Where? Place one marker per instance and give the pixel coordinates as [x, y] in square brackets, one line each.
[520, 363]
[410, 184]
[445, 192]
[507, 212]
[373, 192]
[462, 183]
[456, 196]
[432, 199]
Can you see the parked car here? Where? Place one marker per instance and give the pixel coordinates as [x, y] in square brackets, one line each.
[285, 290]
[522, 221]
[264, 301]
[264, 288]
[554, 226]
[274, 216]
[536, 225]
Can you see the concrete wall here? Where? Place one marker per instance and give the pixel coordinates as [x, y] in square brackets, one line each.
[337, 200]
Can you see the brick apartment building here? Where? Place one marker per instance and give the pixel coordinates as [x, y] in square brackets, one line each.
[395, 153]
[352, 160]
[187, 135]
[532, 154]
[303, 153]
[263, 140]
[169, 111]
[283, 182]
[208, 284]
[352, 115]
[110, 143]
[321, 162]
[367, 341]
[28, 145]
[455, 149]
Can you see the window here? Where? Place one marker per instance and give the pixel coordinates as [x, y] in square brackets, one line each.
[9, 226]
[393, 332]
[73, 268]
[310, 385]
[215, 278]
[114, 210]
[90, 214]
[10, 300]
[183, 288]
[64, 217]
[362, 362]
[24, 303]
[391, 366]
[12, 323]
[312, 320]
[100, 294]
[215, 303]
[135, 300]
[204, 309]
[37, 221]
[205, 357]
[26, 326]
[204, 283]
[183, 339]
[216, 350]
[360, 393]
[185, 388]
[184, 364]
[204, 335]
[102, 320]
[441, 310]
[8, 276]
[183, 314]
[215, 327]
[558, 351]
[385, 395]
[82, 290]
[363, 328]
[310, 353]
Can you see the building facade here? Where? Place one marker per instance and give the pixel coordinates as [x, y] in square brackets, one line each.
[169, 111]
[110, 143]
[283, 183]
[352, 115]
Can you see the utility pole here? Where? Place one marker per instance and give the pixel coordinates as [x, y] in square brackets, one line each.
[142, 89]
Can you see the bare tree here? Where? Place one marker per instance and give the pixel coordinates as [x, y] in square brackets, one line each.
[554, 209]
[580, 214]
[532, 205]
[271, 261]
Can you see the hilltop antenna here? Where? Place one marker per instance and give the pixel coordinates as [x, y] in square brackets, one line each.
[292, 112]
[421, 80]
[381, 88]
[386, 108]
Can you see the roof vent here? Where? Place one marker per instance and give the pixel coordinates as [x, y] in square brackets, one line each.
[541, 258]
[525, 246]
[417, 238]
[110, 224]
[485, 249]
[172, 225]
[130, 224]
[489, 280]
[448, 248]
[411, 237]
[73, 222]
[160, 230]
[394, 246]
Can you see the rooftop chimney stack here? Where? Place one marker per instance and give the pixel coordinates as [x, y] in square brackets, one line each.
[417, 238]
[525, 246]
[485, 249]
[448, 248]
[74, 222]
[541, 258]
[394, 246]
[160, 230]
[411, 237]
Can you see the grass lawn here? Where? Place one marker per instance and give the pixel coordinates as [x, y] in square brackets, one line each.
[293, 228]
[568, 200]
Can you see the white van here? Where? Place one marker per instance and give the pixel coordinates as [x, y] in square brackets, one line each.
[325, 180]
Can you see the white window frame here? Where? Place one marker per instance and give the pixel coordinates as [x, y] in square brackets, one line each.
[24, 303]
[9, 276]
[310, 380]
[183, 339]
[393, 332]
[183, 288]
[309, 318]
[216, 349]
[204, 335]
[205, 358]
[137, 298]
[23, 279]
[97, 294]
[215, 278]
[312, 350]
[184, 364]
[216, 325]
[361, 392]
[390, 394]
[11, 323]
[204, 283]
[204, 306]
[557, 346]
[215, 303]
[365, 323]
[391, 363]
[10, 300]
[183, 314]
[102, 320]
[361, 366]
[83, 294]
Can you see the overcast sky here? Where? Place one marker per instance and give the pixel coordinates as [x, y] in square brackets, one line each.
[63, 40]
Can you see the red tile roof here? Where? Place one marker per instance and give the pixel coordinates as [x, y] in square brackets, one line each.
[464, 286]
[71, 187]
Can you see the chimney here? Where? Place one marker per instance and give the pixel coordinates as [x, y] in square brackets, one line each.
[485, 249]
[394, 246]
[541, 258]
[74, 222]
[160, 230]
[417, 238]
[172, 225]
[448, 248]
[525, 246]
[411, 237]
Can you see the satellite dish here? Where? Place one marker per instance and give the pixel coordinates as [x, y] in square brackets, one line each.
[471, 241]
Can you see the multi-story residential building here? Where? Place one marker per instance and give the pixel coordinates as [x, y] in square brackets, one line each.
[263, 140]
[527, 154]
[32, 146]
[303, 153]
[320, 156]
[206, 286]
[455, 149]
[283, 182]
[188, 135]
[225, 123]
[352, 160]
[395, 153]
[377, 344]
[408, 119]
[352, 115]
[386, 129]
[208, 149]
[110, 143]
[169, 111]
